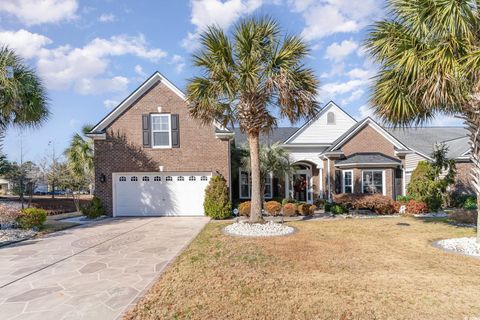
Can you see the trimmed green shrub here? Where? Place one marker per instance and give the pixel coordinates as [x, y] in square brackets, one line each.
[470, 203]
[32, 218]
[273, 208]
[285, 201]
[328, 206]
[94, 209]
[217, 204]
[338, 209]
[404, 198]
[244, 209]
[320, 203]
[289, 209]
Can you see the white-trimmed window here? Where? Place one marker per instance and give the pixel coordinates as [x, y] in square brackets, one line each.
[373, 181]
[161, 131]
[246, 185]
[347, 186]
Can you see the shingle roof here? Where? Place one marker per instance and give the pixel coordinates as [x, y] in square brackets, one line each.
[279, 134]
[367, 158]
[423, 139]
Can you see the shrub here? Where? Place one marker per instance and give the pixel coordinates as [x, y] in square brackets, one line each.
[338, 209]
[289, 209]
[94, 209]
[273, 208]
[285, 201]
[470, 203]
[404, 198]
[8, 214]
[312, 209]
[304, 209]
[320, 203]
[416, 207]
[32, 218]
[328, 206]
[464, 216]
[244, 209]
[377, 203]
[217, 204]
[424, 188]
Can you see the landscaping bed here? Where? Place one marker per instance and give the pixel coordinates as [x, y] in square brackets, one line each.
[58, 205]
[329, 269]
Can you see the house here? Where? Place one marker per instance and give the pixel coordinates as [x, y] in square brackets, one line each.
[334, 153]
[4, 186]
[152, 158]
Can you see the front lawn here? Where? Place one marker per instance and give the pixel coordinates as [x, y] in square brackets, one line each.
[338, 269]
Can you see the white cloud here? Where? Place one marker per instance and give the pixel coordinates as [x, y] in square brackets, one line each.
[110, 103]
[218, 12]
[139, 70]
[107, 17]
[335, 88]
[32, 12]
[357, 73]
[366, 111]
[357, 94]
[97, 86]
[339, 51]
[24, 43]
[324, 18]
[179, 63]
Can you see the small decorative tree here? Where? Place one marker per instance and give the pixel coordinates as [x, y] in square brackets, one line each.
[217, 204]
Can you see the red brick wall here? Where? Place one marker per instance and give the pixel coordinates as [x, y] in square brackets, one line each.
[368, 140]
[463, 179]
[123, 150]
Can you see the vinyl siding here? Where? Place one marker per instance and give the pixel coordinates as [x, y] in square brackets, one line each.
[411, 162]
[318, 131]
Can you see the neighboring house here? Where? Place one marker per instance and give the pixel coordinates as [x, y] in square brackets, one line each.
[4, 186]
[333, 153]
[152, 158]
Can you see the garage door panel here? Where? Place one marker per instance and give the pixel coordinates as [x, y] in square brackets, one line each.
[159, 194]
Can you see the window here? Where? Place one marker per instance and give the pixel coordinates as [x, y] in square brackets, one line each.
[145, 178]
[134, 179]
[204, 178]
[191, 178]
[157, 178]
[161, 137]
[168, 178]
[246, 185]
[330, 118]
[372, 181]
[347, 181]
[180, 178]
[122, 179]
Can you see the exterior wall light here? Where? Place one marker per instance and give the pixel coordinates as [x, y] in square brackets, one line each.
[103, 178]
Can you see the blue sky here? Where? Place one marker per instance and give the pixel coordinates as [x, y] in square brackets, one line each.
[92, 54]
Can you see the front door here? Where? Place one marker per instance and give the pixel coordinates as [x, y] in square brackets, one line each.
[300, 187]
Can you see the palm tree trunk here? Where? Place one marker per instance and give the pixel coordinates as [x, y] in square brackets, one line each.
[256, 197]
[472, 119]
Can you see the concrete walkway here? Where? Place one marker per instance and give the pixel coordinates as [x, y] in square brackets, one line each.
[90, 272]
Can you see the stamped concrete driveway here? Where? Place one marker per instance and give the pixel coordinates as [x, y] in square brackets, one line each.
[90, 272]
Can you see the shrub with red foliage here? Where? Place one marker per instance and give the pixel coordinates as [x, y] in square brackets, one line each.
[416, 207]
[289, 209]
[244, 209]
[377, 203]
[304, 209]
[273, 208]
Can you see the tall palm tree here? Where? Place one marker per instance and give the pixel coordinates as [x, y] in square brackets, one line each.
[80, 155]
[274, 160]
[23, 98]
[428, 53]
[250, 79]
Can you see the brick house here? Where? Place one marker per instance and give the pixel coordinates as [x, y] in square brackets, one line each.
[152, 158]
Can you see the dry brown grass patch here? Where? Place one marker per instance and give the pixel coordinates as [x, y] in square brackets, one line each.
[349, 269]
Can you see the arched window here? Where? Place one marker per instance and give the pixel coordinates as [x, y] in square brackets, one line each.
[330, 118]
[191, 178]
[145, 178]
[157, 178]
[122, 179]
[133, 178]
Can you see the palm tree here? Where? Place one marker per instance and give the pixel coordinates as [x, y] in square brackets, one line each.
[252, 78]
[428, 53]
[80, 155]
[23, 98]
[274, 160]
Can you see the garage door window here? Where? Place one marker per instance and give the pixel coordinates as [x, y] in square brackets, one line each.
[161, 127]
[168, 178]
[203, 178]
[133, 179]
[157, 178]
[180, 178]
[122, 179]
[145, 178]
[191, 178]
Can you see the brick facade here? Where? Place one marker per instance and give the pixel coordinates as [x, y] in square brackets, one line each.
[463, 181]
[123, 151]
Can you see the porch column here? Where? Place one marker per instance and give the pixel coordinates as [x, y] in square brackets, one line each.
[320, 177]
[328, 180]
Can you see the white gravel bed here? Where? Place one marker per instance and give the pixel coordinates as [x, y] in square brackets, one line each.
[10, 235]
[431, 215]
[269, 229]
[466, 246]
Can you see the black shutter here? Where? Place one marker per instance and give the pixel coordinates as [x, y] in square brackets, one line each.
[146, 133]
[175, 131]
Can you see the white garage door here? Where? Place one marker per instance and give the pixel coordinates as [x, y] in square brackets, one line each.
[159, 194]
